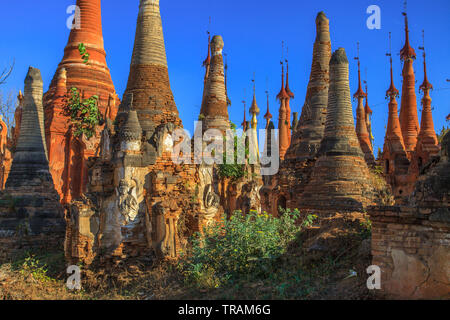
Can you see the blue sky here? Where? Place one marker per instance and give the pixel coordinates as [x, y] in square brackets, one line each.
[35, 33]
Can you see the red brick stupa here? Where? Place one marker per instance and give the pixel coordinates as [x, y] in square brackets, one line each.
[68, 154]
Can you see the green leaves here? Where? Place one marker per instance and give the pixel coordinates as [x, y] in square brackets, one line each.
[84, 114]
[242, 246]
[83, 53]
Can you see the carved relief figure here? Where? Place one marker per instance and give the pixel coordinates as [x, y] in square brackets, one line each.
[127, 202]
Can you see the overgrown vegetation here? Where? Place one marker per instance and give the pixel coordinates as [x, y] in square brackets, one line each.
[234, 170]
[240, 247]
[84, 113]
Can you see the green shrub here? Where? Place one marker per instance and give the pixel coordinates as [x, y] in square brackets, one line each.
[239, 247]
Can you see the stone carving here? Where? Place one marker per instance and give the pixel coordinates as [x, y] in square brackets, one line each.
[162, 139]
[164, 233]
[211, 201]
[127, 201]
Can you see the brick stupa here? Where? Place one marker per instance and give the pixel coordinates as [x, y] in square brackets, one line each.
[37, 218]
[395, 159]
[308, 132]
[409, 121]
[427, 143]
[148, 90]
[340, 179]
[214, 110]
[68, 154]
[141, 183]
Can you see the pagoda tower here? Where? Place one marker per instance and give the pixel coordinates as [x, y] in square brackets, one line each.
[38, 217]
[310, 129]
[283, 122]
[340, 178]
[147, 189]
[67, 154]
[307, 132]
[395, 159]
[361, 125]
[214, 113]
[409, 120]
[427, 143]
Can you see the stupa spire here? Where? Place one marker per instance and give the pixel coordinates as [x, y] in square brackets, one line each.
[409, 120]
[30, 160]
[148, 82]
[361, 124]
[215, 109]
[340, 177]
[310, 129]
[427, 143]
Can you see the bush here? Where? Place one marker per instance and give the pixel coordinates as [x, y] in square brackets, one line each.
[243, 246]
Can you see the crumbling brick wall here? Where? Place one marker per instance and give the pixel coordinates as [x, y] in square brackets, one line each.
[412, 248]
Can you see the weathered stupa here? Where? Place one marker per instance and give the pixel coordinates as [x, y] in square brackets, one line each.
[339, 180]
[298, 162]
[214, 109]
[30, 212]
[143, 199]
[311, 126]
[148, 89]
[68, 154]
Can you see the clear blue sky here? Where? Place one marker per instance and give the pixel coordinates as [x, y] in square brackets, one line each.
[35, 33]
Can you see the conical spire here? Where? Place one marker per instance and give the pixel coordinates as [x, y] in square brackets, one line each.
[268, 116]
[93, 77]
[282, 94]
[340, 176]
[360, 92]
[409, 120]
[393, 142]
[215, 109]
[283, 138]
[30, 160]
[407, 52]
[427, 141]
[361, 124]
[310, 129]
[148, 85]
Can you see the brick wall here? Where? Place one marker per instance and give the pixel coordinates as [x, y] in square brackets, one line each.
[412, 248]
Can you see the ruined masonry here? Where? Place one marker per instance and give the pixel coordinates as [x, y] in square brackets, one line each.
[284, 189]
[138, 201]
[68, 155]
[31, 216]
[339, 180]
